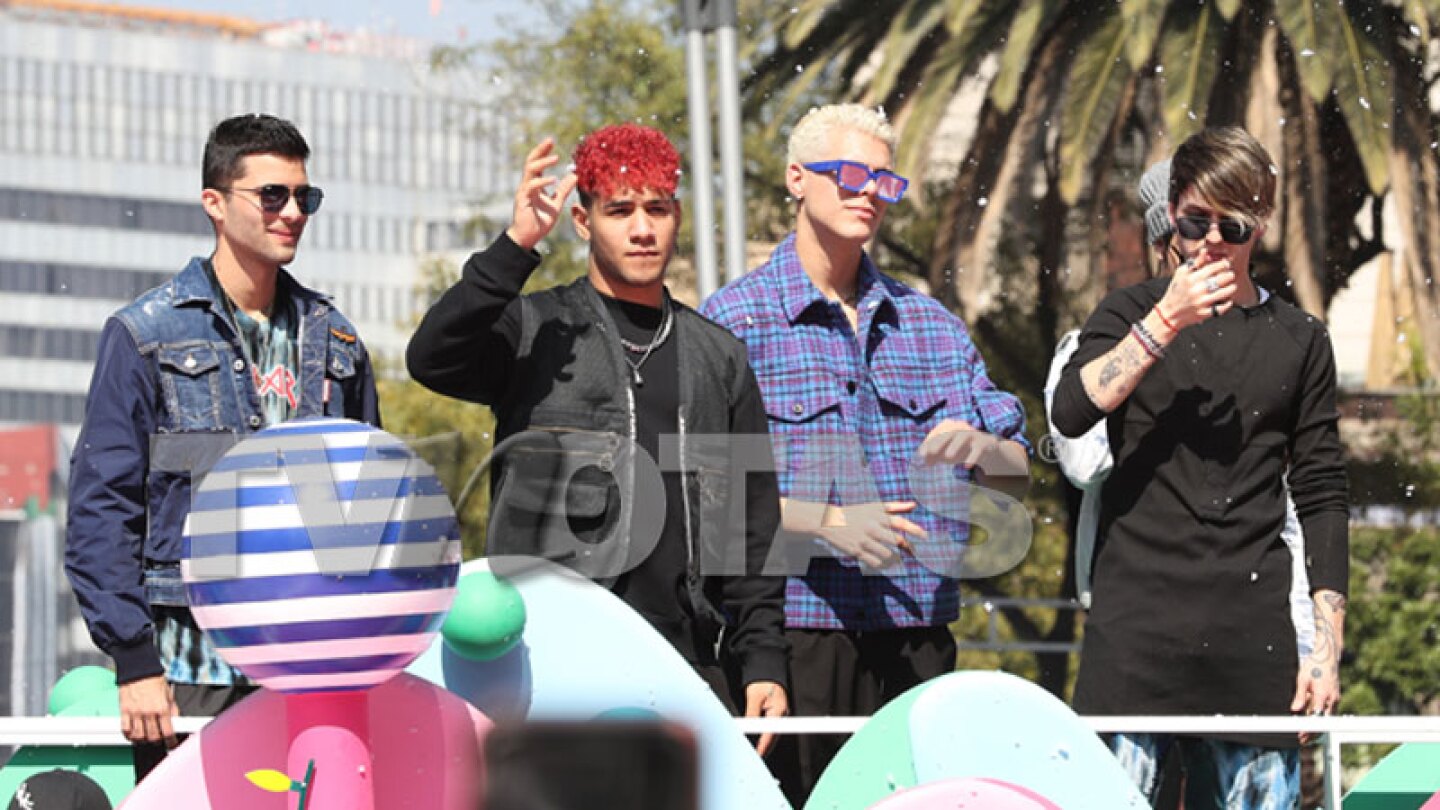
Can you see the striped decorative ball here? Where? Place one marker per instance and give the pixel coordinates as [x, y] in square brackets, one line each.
[320, 555]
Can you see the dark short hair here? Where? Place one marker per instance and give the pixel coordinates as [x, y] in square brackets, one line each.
[1228, 169]
[234, 139]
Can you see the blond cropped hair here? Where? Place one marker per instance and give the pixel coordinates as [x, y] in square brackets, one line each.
[808, 139]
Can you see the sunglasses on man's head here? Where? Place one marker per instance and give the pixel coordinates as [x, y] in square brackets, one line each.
[853, 176]
[1197, 227]
[274, 197]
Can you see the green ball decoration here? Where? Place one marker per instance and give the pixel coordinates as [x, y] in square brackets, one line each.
[486, 618]
[80, 684]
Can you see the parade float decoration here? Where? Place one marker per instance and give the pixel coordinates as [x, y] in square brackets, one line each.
[323, 557]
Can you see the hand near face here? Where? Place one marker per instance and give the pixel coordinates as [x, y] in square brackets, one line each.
[1201, 289]
[536, 208]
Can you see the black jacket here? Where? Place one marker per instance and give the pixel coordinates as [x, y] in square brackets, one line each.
[550, 366]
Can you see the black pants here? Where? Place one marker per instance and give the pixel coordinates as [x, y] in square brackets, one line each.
[193, 700]
[833, 672]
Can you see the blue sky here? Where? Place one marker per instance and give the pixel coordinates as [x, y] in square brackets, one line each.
[441, 21]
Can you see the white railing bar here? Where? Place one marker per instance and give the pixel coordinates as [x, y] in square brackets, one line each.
[1347, 729]
[1425, 727]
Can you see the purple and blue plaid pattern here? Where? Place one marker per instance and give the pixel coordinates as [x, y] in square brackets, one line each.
[847, 415]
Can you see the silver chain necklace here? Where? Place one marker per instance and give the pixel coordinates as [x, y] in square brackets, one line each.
[646, 350]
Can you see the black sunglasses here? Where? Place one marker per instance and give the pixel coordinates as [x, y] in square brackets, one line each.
[274, 197]
[1197, 227]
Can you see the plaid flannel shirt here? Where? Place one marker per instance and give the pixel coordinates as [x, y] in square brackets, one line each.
[848, 413]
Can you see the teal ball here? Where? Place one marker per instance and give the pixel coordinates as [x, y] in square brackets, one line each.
[486, 619]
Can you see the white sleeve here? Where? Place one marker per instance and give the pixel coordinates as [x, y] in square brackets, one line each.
[1086, 460]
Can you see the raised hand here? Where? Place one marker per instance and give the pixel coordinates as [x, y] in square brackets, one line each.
[537, 208]
[1200, 289]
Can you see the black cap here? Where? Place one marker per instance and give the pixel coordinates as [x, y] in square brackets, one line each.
[59, 790]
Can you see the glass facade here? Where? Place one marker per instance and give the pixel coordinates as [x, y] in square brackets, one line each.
[97, 123]
[117, 112]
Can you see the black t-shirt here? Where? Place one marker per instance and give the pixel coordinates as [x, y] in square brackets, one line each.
[656, 587]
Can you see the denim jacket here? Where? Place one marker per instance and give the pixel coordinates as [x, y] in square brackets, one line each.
[170, 370]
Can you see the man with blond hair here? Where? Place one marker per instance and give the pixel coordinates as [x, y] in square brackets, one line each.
[866, 381]
[1210, 387]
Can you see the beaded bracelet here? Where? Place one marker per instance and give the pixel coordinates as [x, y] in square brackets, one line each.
[1147, 341]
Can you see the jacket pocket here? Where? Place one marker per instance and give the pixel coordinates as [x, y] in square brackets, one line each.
[913, 394]
[800, 397]
[557, 496]
[192, 385]
[340, 377]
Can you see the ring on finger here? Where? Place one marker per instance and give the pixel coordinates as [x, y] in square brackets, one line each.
[1215, 310]
[1211, 284]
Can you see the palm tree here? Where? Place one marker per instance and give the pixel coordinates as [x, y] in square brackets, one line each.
[1336, 90]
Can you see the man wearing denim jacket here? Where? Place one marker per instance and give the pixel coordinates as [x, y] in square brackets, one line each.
[230, 345]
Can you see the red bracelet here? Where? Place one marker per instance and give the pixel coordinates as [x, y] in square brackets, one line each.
[1166, 320]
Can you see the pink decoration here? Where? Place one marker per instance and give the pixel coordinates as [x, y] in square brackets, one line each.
[328, 739]
[424, 743]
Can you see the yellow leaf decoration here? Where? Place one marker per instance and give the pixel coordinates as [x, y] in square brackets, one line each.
[273, 781]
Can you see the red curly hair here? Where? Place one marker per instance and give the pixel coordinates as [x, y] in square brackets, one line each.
[625, 157]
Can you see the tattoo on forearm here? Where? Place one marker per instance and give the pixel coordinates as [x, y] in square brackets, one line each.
[1109, 372]
[1120, 374]
[1329, 612]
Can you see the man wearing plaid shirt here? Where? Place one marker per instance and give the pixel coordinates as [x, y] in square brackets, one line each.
[882, 416]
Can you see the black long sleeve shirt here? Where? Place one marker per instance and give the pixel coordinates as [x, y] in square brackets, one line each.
[1191, 578]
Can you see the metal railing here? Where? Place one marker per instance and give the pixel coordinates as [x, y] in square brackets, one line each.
[994, 641]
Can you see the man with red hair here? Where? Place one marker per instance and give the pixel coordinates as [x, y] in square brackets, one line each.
[621, 415]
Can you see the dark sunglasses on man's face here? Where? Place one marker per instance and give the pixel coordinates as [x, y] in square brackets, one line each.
[853, 176]
[1197, 227]
[274, 197]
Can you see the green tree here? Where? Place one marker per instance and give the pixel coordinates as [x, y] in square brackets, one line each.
[610, 61]
[454, 437]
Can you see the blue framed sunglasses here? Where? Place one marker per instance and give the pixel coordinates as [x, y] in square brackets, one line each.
[853, 176]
